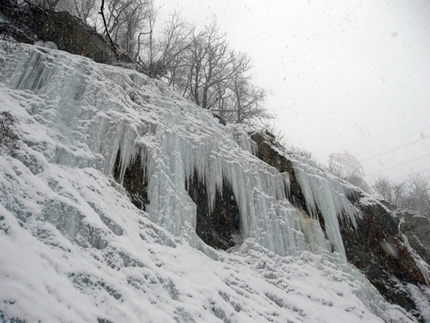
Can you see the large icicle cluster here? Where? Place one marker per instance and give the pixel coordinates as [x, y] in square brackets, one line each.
[100, 112]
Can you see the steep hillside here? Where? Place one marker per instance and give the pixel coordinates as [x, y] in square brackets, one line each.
[126, 203]
[389, 248]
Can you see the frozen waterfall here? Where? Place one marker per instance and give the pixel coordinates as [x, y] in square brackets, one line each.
[94, 113]
[74, 248]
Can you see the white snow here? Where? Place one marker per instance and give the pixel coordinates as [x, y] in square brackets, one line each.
[74, 248]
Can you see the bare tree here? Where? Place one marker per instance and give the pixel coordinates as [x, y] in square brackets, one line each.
[107, 33]
[209, 67]
[384, 188]
[206, 59]
[145, 40]
[247, 100]
[124, 19]
[163, 55]
[419, 196]
[413, 193]
[203, 68]
[175, 41]
[399, 193]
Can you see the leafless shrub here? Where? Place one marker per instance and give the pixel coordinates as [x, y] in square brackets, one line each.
[303, 153]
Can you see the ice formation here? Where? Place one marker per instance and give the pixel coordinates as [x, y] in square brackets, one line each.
[59, 198]
[173, 137]
[329, 196]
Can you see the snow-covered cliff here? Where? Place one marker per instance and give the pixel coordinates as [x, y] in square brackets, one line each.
[75, 249]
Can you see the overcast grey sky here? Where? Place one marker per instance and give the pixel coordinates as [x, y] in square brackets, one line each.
[341, 75]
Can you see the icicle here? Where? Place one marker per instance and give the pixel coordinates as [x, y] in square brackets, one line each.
[329, 196]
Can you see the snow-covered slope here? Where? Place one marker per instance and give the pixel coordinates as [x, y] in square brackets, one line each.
[75, 249]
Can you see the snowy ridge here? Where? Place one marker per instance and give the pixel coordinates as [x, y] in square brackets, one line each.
[74, 248]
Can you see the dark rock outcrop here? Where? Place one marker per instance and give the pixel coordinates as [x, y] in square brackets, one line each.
[377, 249]
[217, 226]
[417, 230]
[266, 144]
[135, 181]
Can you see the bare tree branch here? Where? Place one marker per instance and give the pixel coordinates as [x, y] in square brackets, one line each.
[106, 28]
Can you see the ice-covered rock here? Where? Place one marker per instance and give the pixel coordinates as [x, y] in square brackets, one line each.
[76, 249]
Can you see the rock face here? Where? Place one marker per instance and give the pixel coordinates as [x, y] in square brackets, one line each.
[377, 249]
[134, 181]
[218, 225]
[376, 246]
[417, 230]
[68, 32]
[266, 152]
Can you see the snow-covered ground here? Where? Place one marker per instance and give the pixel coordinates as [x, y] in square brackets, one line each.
[75, 249]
